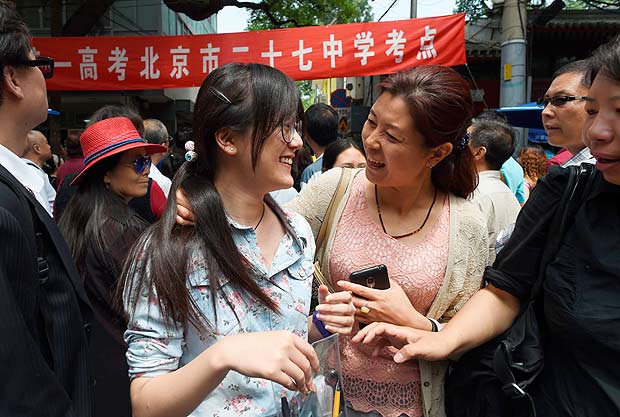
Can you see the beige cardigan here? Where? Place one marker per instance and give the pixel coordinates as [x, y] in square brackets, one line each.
[467, 258]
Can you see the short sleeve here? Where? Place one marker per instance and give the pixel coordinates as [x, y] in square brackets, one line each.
[516, 267]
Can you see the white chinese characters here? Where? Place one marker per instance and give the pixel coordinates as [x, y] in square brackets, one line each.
[210, 61]
[363, 42]
[149, 58]
[397, 45]
[332, 49]
[119, 62]
[88, 67]
[179, 62]
[427, 48]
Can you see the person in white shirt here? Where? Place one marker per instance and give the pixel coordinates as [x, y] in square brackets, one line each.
[492, 142]
[155, 132]
[37, 152]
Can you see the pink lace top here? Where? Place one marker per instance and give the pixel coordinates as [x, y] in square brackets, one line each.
[378, 383]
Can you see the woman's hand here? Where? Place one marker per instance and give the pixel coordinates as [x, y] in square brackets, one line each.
[409, 343]
[278, 356]
[336, 311]
[185, 216]
[389, 306]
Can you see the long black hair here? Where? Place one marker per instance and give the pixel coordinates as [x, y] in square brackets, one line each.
[83, 222]
[244, 98]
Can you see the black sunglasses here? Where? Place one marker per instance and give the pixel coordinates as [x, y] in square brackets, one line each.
[44, 63]
[141, 163]
[558, 101]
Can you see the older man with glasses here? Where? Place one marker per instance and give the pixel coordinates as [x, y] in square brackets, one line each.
[564, 115]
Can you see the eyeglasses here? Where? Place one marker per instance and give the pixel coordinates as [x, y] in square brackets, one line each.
[141, 163]
[45, 65]
[558, 101]
[289, 132]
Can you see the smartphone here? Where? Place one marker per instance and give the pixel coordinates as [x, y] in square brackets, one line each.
[374, 277]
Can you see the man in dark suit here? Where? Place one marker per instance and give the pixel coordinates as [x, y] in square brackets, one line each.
[43, 306]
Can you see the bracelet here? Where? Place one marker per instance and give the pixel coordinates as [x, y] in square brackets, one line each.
[434, 327]
[320, 326]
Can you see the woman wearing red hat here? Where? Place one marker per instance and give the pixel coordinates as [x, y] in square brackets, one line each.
[218, 313]
[100, 229]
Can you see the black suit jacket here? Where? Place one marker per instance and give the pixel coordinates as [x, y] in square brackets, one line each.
[43, 326]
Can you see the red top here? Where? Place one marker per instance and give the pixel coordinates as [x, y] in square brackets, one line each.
[72, 166]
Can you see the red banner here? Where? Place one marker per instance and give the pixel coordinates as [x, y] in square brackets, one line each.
[154, 62]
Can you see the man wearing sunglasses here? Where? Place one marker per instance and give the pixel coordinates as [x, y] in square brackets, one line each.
[564, 114]
[43, 306]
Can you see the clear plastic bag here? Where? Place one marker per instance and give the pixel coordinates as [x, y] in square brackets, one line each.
[327, 401]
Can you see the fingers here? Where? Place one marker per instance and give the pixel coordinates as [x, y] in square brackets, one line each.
[181, 221]
[337, 312]
[305, 348]
[300, 370]
[361, 335]
[323, 293]
[407, 352]
[358, 290]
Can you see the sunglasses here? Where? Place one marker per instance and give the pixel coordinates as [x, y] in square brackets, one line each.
[558, 101]
[141, 163]
[45, 65]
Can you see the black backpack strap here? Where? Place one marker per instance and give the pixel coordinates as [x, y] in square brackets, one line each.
[579, 182]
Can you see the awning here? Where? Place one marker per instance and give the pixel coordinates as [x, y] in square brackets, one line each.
[525, 115]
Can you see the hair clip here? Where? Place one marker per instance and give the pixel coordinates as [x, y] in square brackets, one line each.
[190, 155]
[462, 143]
[219, 95]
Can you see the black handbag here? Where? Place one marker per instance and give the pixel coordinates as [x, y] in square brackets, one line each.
[492, 379]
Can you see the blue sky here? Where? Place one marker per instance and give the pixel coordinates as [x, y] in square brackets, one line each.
[233, 19]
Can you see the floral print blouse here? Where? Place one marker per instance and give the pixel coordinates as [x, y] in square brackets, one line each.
[155, 349]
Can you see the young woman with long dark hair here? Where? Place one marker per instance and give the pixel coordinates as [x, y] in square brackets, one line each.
[218, 312]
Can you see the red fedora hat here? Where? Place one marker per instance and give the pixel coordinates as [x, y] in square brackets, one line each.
[111, 137]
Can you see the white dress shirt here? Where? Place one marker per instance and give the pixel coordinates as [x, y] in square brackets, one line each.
[27, 176]
[48, 193]
[498, 204]
[164, 182]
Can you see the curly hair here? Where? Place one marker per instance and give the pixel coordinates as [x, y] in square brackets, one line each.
[534, 162]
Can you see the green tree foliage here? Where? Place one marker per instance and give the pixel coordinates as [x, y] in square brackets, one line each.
[292, 13]
[473, 9]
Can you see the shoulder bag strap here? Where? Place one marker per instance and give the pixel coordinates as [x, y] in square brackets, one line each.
[327, 224]
[579, 183]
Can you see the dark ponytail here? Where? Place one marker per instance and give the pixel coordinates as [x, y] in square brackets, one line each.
[160, 261]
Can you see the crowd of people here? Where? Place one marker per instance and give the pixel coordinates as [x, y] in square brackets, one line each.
[151, 275]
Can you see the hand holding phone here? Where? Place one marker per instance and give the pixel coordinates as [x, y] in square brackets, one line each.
[375, 277]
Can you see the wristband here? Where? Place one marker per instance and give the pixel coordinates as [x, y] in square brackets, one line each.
[434, 327]
[320, 326]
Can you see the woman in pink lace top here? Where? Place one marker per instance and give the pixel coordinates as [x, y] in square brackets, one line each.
[407, 210]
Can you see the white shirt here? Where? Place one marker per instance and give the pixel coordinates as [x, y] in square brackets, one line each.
[164, 182]
[26, 176]
[47, 192]
[498, 204]
[583, 155]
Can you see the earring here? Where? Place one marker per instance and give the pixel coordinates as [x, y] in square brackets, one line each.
[232, 148]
